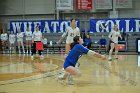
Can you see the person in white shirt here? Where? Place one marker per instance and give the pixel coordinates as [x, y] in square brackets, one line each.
[114, 41]
[20, 36]
[71, 32]
[36, 37]
[4, 39]
[28, 35]
[12, 39]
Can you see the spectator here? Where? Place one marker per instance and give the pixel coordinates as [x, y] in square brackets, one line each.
[87, 40]
[102, 43]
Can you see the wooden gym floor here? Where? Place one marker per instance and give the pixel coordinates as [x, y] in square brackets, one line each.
[19, 74]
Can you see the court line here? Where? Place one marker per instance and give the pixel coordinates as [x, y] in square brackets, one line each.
[31, 78]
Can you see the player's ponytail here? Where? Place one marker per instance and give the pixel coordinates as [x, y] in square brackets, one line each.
[75, 41]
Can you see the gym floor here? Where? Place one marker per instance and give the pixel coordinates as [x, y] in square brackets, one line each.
[20, 74]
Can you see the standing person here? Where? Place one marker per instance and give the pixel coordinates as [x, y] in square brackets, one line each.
[114, 41]
[12, 39]
[28, 35]
[77, 49]
[20, 36]
[36, 37]
[4, 39]
[71, 32]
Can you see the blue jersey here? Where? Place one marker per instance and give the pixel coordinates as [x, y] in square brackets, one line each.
[102, 41]
[74, 54]
[87, 41]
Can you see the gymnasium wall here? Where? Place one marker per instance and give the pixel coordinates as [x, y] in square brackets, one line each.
[45, 10]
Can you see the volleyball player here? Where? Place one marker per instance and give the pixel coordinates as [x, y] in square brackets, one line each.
[71, 32]
[20, 36]
[12, 39]
[4, 39]
[36, 37]
[114, 41]
[28, 35]
[77, 49]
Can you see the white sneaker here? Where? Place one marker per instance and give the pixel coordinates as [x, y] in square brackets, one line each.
[109, 58]
[32, 57]
[70, 80]
[41, 57]
[61, 76]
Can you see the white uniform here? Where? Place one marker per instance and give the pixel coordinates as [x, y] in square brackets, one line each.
[28, 35]
[12, 38]
[37, 36]
[20, 36]
[114, 35]
[71, 33]
[4, 37]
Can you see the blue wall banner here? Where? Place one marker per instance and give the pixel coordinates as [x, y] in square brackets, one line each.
[45, 26]
[106, 25]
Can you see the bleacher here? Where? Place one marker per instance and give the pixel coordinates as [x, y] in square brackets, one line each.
[95, 37]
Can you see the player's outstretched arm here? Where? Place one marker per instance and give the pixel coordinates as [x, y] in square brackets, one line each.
[93, 53]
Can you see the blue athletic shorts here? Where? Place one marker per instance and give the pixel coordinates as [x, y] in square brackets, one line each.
[67, 64]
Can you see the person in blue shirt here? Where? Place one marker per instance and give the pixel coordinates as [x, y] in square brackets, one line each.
[77, 49]
[102, 43]
[87, 41]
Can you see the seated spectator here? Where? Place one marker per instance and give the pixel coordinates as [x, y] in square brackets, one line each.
[87, 40]
[102, 43]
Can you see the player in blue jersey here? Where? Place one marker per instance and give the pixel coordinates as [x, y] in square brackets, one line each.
[77, 49]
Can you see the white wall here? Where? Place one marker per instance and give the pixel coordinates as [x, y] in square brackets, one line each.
[45, 10]
[131, 13]
[19, 7]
